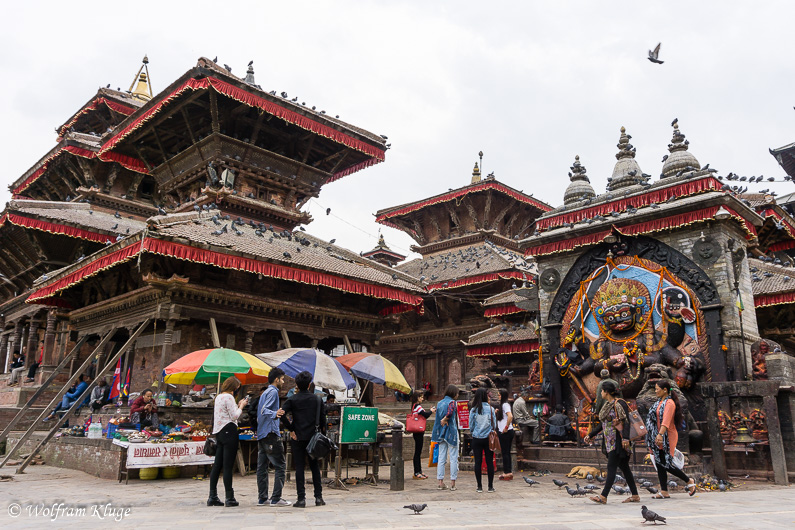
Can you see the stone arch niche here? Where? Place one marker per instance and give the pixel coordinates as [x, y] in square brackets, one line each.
[454, 372]
[649, 249]
[410, 373]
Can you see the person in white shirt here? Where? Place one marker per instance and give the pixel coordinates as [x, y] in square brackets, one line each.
[225, 415]
[505, 432]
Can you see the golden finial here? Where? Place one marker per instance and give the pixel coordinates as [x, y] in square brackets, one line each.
[143, 90]
[475, 174]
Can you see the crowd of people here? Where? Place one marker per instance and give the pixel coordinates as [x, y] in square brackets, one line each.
[492, 429]
[302, 414]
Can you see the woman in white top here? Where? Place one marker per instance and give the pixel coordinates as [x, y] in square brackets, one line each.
[225, 417]
[505, 432]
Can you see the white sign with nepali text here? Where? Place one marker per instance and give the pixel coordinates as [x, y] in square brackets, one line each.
[141, 455]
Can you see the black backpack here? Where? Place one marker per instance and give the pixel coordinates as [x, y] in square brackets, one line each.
[252, 412]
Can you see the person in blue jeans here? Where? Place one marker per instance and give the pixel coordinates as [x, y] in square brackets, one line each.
[482, 421]
[445, 434]
[71, 397]
[270, 444]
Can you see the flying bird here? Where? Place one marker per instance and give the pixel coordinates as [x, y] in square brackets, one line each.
[416, 507]
[328, 211]
[649, 515]
[654, 54]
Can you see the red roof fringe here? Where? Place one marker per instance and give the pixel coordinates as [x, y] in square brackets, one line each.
[118, 107]
[502, 310]
[767, 300]
[488, 185]
[85, 153]
[781, 245]
[684, 189]
[482, 278]
[54, 228]
[226, 261]
[251, 100]
[401, 308]
[503, 349]
[787, 225]
[655, 225]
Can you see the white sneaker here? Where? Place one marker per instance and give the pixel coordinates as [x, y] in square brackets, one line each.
[281, 502]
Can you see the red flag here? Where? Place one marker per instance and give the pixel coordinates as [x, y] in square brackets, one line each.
[115, 386]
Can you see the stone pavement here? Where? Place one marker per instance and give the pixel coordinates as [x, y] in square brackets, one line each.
[159, 503]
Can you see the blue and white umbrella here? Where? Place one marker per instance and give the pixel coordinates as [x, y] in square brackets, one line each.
[326, 371]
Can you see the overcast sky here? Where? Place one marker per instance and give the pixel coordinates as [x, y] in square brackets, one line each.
[531, 84]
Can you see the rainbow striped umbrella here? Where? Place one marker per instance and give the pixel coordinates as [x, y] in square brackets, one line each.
[205, 367]
[376, 369]
[325, 370]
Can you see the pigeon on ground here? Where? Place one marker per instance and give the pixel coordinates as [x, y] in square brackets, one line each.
[672, 485]
[221, 231]
[652, 490]
[559, 483]
[600, 479]
[589, 477]
[416, 507]
[649, 515]
[530, 481]
[571, 491]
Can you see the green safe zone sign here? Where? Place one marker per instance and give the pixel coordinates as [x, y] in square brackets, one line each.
[358, 425]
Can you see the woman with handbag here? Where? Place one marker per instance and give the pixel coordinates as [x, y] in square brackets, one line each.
[505, 430]
[445, 434]
[416, 424]
[662, 436]
[614, 426]
[225, 415]
[482, 425]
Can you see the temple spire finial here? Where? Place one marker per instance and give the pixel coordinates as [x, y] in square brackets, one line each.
[250, 74]
[680, 161]
[580, 188]
[475, 174]
[143, 90]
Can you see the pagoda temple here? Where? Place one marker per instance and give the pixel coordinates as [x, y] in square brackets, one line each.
[181, 207]
[468, 239]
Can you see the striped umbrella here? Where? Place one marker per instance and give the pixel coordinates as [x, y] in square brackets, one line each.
[376, 369]
[325, 370]
[205, 367]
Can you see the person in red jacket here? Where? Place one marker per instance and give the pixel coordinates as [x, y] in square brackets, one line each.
[144, 410]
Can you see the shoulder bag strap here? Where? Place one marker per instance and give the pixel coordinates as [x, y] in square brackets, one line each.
[317, 419]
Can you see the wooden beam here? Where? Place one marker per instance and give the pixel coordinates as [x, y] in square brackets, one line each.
[339, 162]
[347, 343]
[285, 338]
[214, 334]
[216, 126]
[187, 125]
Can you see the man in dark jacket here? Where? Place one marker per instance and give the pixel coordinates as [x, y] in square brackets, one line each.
[558, 426]
[304, 406]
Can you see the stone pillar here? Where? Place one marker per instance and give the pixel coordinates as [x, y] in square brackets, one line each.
[4, 343]
[32, 349]
[49, 340]
[165, 352]
[249, 341]
[16, 338]
[777, 453]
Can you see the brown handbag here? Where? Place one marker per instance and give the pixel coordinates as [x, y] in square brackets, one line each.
[637, 429]
[494, 439]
